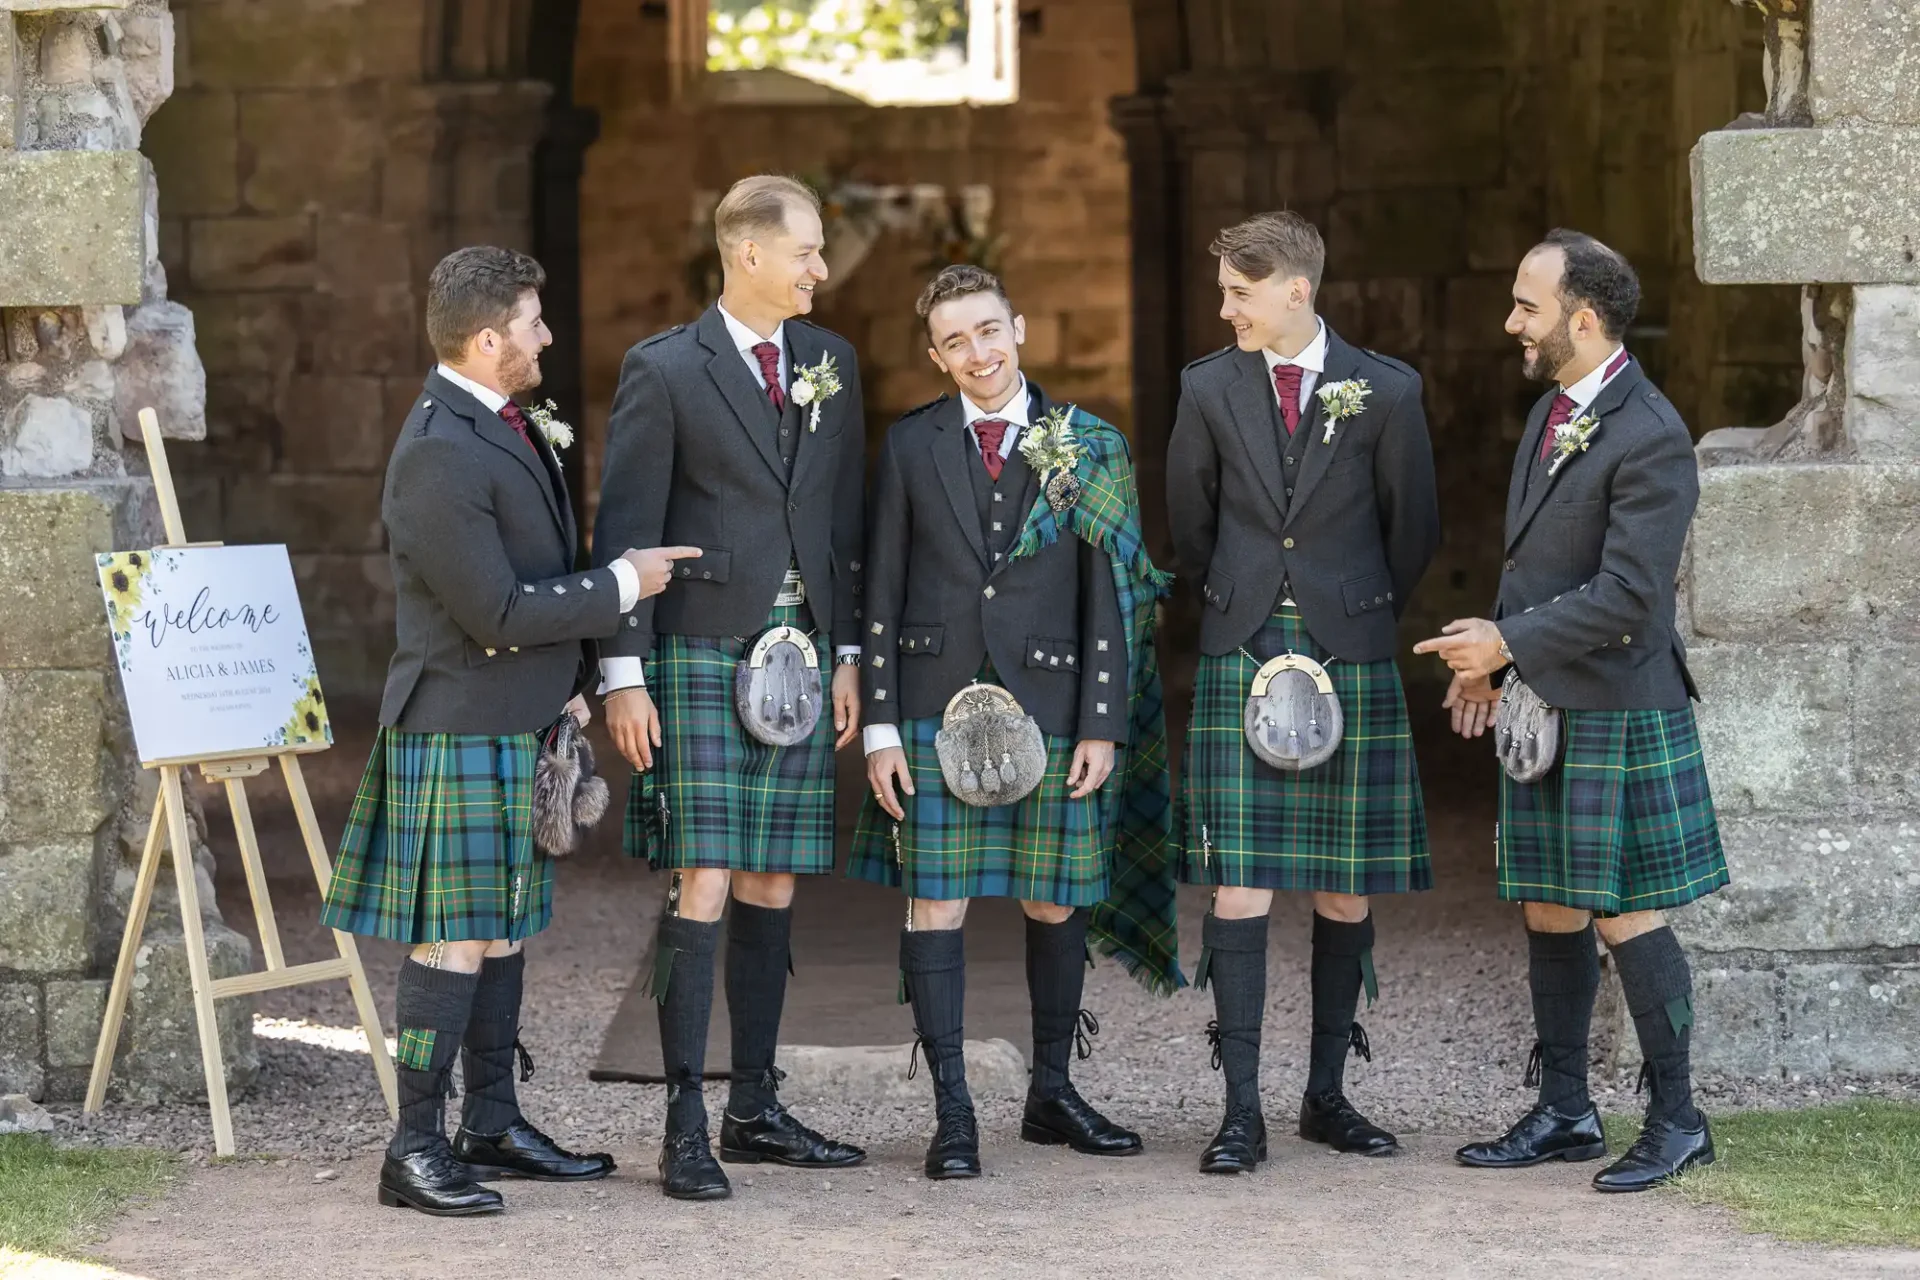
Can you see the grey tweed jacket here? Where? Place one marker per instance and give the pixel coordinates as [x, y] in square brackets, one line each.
[1586, 601]
[490, 617]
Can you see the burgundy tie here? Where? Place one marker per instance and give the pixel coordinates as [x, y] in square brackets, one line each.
[1286, 384]
[511, 415]
[1559, 415]
[990, 432]
[769, 357]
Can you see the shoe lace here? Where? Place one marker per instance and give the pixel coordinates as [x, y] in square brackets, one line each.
[689, 1142]
[526, 1060]
[1531, 1079]
[1213, 1038]
[1085, 1026]
[771, 1078]
[1357, 1039]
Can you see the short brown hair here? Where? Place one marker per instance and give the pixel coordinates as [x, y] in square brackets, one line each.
[757, 206]
[1266, 243]
[478, 287]
[958, 282]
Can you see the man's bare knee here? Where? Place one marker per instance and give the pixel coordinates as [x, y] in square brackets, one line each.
[500, 948]
[703, 892]
[1551, 917]
[1231, 902]
[1616, 930]
[459, 957]
[770, 889]
[1347, 908]
[939, 913]
[1046, 912]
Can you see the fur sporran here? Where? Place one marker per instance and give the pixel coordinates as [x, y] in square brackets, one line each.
[991, 751]
[1293, 719]
[567, 796]
[1528, 735]
[776, 687]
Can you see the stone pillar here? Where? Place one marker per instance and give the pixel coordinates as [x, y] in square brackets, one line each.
[1802, 588]
[87, 337]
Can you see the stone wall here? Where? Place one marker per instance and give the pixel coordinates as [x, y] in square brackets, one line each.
[87, 337]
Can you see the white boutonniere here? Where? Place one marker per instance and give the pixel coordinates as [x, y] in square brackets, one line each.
[1341, 400]
[559, 434]
[1570, 438]
[1050, 448]
[813, 386]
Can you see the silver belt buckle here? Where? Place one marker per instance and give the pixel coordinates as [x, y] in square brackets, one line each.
[792, 590]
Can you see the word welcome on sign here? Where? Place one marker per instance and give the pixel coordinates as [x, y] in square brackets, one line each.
[213, 651]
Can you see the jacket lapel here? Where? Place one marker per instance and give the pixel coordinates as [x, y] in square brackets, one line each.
[1251, 402]
[742, 391]
[1343, 361]
[1611, 397]
[1021, 508]
[492, 428]
[953, 453]
[1524, 461]
[802, 350]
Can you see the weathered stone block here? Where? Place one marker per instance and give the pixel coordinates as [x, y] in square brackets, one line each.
[311, 150]
[1882, 415]
[160, 1047]
[1815, 884]
[1773, 723]
[229, 254]
[45, 437]
[1866, 68]
[1396, 233]
[50, 608]
[194, 141]
[20, 1039]
[46, 896]
[53, 6]
[254, 46]
[1889, 566]
[10, 96]
[361, 256]
[1845, 1017]
[51, 730]
[1886, 687]
[1783, 206]
[308, 513]
[146, 54]
[336, 424]
[1775, 552]
[1736, 1027]
[74, 1013]
[1378, 150]
[76, 227]
[161, 370]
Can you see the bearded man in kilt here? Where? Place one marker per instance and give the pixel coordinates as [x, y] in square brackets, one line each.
[743, 435]
[983, 569]
[1623, 826]
[1300, 490]
[493, 629]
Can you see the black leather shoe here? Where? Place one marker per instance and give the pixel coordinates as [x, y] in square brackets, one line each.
[1540, 1135]
[432, 1181]
[688, 1170]
[776, 1136]
[1240, 1145]
[522, 1151]
[1068, 1119]
[955, 1150]
[1663, 1150]
[1331, 1119]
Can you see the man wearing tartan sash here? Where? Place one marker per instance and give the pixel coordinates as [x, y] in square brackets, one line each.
[1622, 826]
[979, 573]
[1300, 491]
[742, 434]
[492, 626]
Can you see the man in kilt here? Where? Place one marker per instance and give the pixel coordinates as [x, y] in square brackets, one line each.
[963, 590]
[491, 620]
[743, 434]
[1300, 490]
[1603, 489]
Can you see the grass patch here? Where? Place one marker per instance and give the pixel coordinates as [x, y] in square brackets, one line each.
[54, 1199]
[1844, 1174]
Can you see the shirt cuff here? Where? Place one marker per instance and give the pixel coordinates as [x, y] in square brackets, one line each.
[842, 650]
[629, 579]
[621, 673]
[878, 737]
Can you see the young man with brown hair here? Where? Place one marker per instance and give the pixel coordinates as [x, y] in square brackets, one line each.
[742, 435]
[494, 630]
[1300, 490]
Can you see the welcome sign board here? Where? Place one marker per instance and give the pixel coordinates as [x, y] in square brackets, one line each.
[213, 652]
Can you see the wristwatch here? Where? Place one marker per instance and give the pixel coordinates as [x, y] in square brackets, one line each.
[1506, 654]
[847, 660]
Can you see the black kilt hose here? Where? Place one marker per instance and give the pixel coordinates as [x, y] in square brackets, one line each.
[717, 796]
[1356, 824]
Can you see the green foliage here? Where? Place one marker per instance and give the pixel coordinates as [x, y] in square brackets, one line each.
[53, 1199]
[747, 36]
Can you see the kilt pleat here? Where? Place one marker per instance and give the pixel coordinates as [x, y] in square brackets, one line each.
[717, 796]
[439, 844]
[1046, 848]
[1624, 823]
[1355, 824]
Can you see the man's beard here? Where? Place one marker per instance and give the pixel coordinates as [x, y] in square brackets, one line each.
[1550, 355]
[519, 372]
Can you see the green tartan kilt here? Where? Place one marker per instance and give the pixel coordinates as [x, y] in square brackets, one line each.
[1048, 847]
[717, 796]
[439, 844]
[1356, 824]
[1624, 823]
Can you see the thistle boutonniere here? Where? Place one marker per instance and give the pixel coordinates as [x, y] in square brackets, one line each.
[545, 416]
[1342, 400]
[813, 386]
[1050, 448]
[1570, 438]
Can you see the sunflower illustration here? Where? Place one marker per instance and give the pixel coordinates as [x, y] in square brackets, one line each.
[309, 720]
[121, 576]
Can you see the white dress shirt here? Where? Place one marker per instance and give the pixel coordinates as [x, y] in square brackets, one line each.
[1312, 361]
[1587, 390]
[878, 737]
[493, 401]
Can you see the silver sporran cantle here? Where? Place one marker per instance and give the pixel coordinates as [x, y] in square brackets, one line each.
[776, 687]
[991, 752]
[1293, 719]
[1529, 732]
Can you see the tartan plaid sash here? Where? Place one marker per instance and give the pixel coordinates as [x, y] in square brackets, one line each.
[1135, 924]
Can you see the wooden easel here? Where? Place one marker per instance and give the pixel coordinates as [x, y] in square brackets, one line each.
[169, 807]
